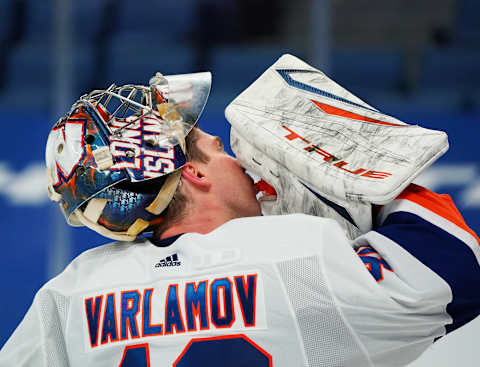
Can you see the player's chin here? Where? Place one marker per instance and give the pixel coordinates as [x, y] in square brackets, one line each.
[247, 205]
[253, 204]
[256, 208]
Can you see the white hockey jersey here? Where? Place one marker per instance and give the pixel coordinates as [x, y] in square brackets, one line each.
[277, 291]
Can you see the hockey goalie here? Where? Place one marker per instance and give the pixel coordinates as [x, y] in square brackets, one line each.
[351, 264]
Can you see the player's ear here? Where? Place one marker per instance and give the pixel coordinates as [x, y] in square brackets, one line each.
[195, 176]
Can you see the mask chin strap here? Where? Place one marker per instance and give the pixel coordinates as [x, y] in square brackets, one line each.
[52, 194]
[165, 194]
[89, 218]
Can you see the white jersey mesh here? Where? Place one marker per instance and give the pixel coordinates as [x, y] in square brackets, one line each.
[327, 340]
[53, 324]
[315, 302]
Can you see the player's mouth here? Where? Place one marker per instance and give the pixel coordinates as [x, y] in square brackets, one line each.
[265, 192]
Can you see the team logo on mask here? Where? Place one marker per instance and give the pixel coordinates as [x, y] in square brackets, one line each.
[68, 142]
[137, 149]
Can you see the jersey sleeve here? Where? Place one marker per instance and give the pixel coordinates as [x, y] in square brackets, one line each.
[430, 227]
[39, 339]
[420, 271]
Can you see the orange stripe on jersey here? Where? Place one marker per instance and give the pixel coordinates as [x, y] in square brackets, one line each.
[440, 204]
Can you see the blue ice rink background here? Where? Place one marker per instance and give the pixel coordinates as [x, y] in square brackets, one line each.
[425, 71]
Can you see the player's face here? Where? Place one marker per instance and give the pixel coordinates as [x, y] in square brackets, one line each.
[229, 182]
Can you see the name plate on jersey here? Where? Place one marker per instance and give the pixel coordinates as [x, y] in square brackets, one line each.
[214, 304]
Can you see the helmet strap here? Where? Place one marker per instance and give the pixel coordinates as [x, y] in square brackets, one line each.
[52, 194]
[165, 194]
[131, 234]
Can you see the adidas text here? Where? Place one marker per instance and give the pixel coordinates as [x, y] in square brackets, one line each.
[169, 261]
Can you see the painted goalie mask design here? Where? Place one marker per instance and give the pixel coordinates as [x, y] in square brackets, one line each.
[113, 161]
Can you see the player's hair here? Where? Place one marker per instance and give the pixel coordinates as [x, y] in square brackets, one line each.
[175, 211]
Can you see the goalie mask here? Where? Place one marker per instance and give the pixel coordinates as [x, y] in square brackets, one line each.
[113, 161]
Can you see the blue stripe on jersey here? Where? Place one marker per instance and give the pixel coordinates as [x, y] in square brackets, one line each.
[446, 255]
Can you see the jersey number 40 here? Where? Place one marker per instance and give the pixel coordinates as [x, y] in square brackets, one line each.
[222, 351]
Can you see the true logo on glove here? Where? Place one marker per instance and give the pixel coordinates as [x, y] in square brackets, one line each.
[334, 161]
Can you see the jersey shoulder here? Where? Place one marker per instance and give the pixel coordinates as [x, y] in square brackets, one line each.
[250, 240]
[99, 266]
[274, 238]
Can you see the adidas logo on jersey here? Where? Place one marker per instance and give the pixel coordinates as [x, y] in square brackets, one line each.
[169, 261]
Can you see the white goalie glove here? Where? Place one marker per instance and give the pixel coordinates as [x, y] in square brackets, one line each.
[325, 151]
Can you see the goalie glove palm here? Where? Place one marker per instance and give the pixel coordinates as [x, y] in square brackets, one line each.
[325, 151]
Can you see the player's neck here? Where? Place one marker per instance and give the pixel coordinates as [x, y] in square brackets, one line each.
[199, 223]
